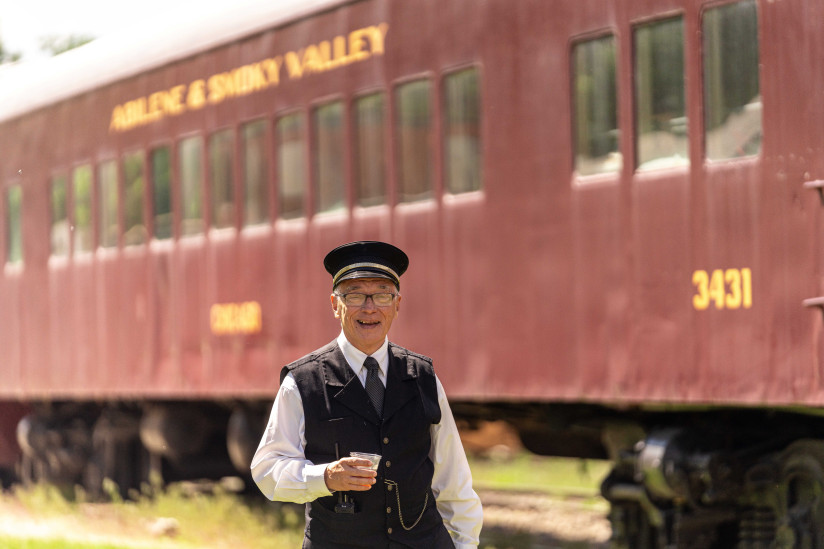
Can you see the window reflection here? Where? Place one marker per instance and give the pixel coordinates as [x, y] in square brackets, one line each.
[107, 178]
[60, 228]
[190, 153]
[135, 227]
[221, 164]
[255, 174]
[413, 141]
[14, 238]
[732, 95]
[162, 192]
[291, 159]
[462, 131]
[82, 222]
[595, 95]
[328, 156]
[661, 118]
[370, 168]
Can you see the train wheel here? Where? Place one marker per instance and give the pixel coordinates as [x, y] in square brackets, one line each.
[631, 528]
[801, 497]
[30, 470]
[117, 456]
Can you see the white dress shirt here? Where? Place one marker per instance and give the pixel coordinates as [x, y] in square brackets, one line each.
[283, 473]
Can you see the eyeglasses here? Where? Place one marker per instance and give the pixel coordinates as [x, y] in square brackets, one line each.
[357, 299]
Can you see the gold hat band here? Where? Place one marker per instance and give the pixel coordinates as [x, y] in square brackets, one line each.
[357, 266]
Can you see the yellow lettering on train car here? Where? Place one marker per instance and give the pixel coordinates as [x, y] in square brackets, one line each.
[358, 45]
[725, 289]
[236, 318]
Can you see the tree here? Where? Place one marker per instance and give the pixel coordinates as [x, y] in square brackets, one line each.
[55, 45]
[7, 56]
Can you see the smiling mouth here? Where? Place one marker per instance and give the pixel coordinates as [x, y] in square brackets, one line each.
[368, 323]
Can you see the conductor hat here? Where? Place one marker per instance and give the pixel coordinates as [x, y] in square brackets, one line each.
[366, 259]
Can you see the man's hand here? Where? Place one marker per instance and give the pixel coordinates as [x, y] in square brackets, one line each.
[349, 474]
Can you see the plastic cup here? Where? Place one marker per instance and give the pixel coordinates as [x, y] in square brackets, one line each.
[374, 458]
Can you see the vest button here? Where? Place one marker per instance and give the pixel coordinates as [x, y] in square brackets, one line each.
[388, 530]
[386, 440]
[388, 510]
[389, 487]
[389, 464]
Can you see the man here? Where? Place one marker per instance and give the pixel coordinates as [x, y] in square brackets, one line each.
[336, 400]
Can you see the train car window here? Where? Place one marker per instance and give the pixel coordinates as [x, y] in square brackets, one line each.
[462, 131]
[370, 157]
[161, 192]
[732, 94]
[107, 181]
[328, 155]
[14, 229]
[291, 159]
[255, 172]
[82, 231]
[190, 156]
[134, 189]
[221, 168]
[595, 97]
[60, 234]
[660, 96]
[414, 129]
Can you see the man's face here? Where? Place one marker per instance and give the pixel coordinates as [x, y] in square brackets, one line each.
[366, 326]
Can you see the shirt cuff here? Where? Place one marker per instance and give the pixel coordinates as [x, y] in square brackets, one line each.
[315, 481]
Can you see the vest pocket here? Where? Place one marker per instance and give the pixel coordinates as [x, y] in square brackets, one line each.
[322, 435]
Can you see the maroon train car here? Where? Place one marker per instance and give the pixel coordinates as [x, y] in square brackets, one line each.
[613, 212]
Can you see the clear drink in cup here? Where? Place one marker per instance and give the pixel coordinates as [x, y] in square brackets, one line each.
[374, 458]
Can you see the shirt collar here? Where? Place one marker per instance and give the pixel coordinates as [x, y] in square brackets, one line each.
[355, 357]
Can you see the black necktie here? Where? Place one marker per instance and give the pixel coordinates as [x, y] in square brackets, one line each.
[373, 384]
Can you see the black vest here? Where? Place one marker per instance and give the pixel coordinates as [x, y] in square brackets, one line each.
[338, 410]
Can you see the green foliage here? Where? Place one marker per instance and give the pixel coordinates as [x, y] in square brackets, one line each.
[7, 56]
[55, 45]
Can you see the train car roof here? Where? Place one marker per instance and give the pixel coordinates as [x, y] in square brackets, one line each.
[29, 85]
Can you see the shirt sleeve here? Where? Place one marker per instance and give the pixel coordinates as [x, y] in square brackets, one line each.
[279, 467]
[457, 502]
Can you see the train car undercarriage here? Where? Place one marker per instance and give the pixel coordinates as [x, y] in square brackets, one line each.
[710, 479]
[103, 447]
[692, 478]
[669, 492]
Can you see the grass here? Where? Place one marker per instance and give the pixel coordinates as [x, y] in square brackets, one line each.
[533, 473]
[224, 519]
[14, 543]
[214, 519]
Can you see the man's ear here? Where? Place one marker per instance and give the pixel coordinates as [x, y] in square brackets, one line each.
[334, 299]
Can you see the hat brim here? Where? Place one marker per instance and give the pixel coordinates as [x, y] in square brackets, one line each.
[361, 273]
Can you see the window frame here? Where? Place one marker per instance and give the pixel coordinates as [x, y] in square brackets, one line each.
[191, 226]
[705, 147]
[430, 192]
[232, 186]
[638, 164]
[305, 162]
[265, 196]
[358, 198]
[580, 178]
[444, 125]
[13, 235]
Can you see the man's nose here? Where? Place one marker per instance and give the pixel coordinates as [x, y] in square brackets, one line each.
[369, 303]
